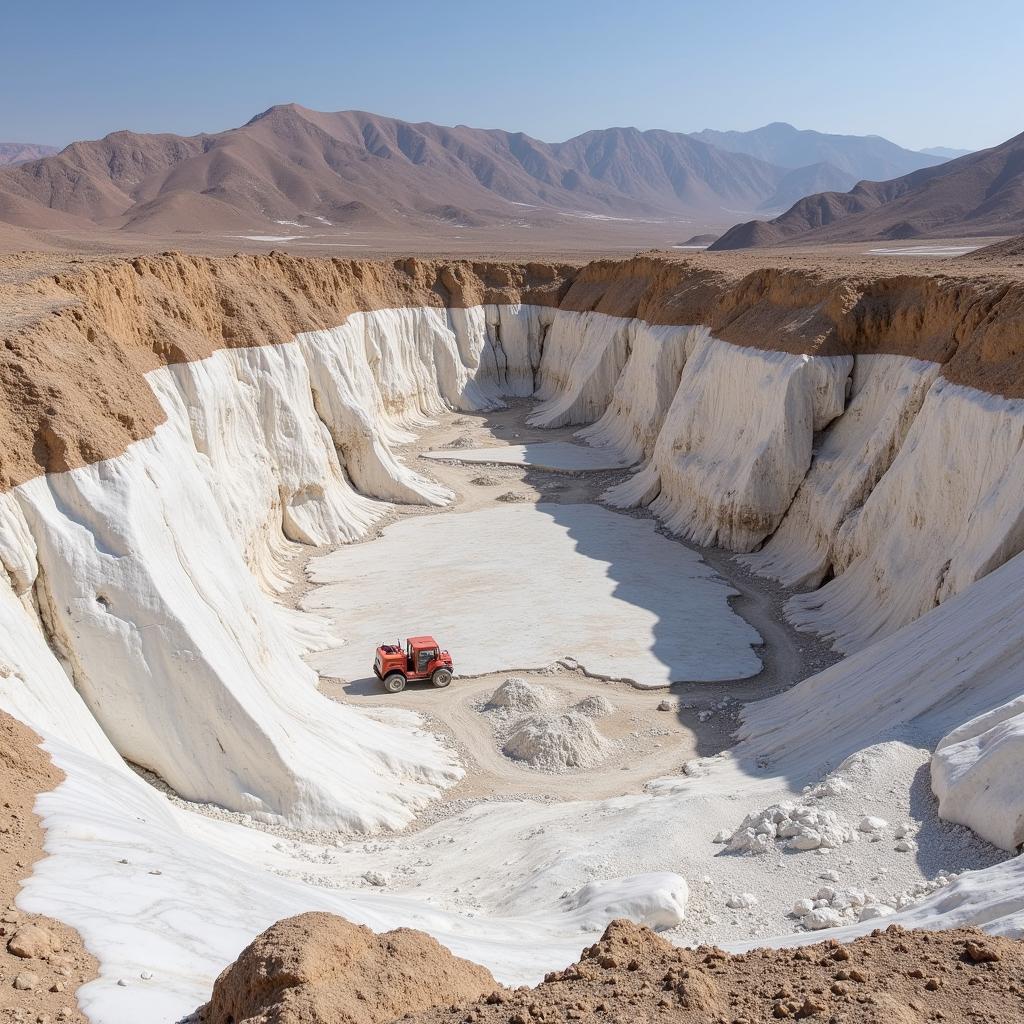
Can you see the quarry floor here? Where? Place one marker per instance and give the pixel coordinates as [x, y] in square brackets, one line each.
[513, 842]
[702, 713]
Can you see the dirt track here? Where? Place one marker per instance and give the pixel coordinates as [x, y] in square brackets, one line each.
[654, 742]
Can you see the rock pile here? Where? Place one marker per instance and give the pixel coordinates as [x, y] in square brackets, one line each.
[519, 696]
[557, 742]
[597, 705]
[531, 729]
[832, 905]
[797, 826]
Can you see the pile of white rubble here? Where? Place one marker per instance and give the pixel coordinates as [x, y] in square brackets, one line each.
[533, 731]
[800, 826]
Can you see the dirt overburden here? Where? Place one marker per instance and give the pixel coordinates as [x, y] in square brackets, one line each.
[319, 969]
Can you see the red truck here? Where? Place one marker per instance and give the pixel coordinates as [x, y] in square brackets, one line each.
[422, 659]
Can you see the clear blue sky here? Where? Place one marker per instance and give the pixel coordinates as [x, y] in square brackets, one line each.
[921, 73]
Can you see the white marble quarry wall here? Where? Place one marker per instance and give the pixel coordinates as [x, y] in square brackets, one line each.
[582, 359]
[949, 509]
[848, 461]
[644, 390]
[736, 442]
[270, 463]
[515, 336]
[186, 663]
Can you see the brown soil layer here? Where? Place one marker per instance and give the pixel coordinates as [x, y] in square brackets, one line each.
[42, 962]
[320, 967]
[78, 337]
[887, 977]
[79, 333]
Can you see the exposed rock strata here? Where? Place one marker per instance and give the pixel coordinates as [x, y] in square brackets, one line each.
[71, 387]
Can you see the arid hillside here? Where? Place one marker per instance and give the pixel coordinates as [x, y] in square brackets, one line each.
[293, 166]
[975, 195]
[300, 169]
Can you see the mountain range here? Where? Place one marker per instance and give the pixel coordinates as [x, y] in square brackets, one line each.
[854, 156]
[307, 169]
[975, 195]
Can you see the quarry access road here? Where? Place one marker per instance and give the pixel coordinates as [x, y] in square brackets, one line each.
[649, 743]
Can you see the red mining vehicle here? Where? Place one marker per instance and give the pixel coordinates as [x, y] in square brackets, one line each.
[421, 660]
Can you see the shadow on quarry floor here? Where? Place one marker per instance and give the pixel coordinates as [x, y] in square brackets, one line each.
[943, 846]
[715, 735]
[371, 686]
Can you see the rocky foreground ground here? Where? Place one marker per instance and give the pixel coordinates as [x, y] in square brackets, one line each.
[320, 969]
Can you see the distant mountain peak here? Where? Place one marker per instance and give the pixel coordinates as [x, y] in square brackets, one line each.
[859, 157]
[972, 196]
[278, 109]
[22, 152]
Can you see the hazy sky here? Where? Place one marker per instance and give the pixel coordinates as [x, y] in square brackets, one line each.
[921, 73]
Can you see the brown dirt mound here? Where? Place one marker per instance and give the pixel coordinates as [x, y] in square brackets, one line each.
[321, 968]
[42, 961]
[632, 975]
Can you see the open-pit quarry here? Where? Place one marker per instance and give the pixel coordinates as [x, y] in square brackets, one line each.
[729, 563]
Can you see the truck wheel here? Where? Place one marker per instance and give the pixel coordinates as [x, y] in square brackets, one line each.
[395, 683]
[441, 677]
